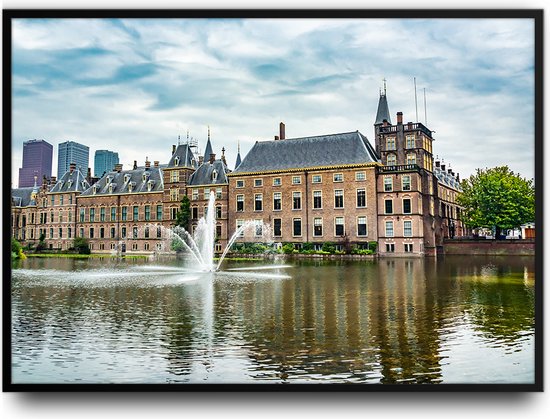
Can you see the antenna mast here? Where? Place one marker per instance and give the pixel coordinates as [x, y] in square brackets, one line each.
[425, 113]
[415, 100]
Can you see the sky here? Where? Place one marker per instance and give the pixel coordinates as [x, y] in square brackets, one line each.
[135, 85]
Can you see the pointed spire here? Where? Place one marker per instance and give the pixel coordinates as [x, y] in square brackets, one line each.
[383, 109]
[208, 149]
[238, 154]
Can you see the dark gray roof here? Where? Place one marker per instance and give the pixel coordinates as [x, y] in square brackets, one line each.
[207, 150]
[73, 181]
[184, 156]
[320, 151]
[383, 110]
[238, 161]
[21, 197]
[447, 179]
[204, 174]
[139, 179]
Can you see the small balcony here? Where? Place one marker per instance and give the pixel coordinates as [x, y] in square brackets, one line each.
[399, 168]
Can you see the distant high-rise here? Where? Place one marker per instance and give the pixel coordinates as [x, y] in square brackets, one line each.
[37, 161]
[104, 161]
[72, 152]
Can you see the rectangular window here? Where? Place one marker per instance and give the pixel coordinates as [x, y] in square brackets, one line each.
[390, 247]
[339, 198]
[297, 227]
[70, 199]
[361, 226]
[147, 212]
[102, 232]
[113, 213]
[218, 212]
[91, 232]
[206, 195]
[240, 203]
[194, 194]
[360, 176]
[174, 194]
[361, 198]
[102, 214]
[124, 214]
[60, 233]
[388, 184]
[174, 176]
[92, 215]
[218, 193]
[406, 182]
[277, 197]
[60, 216]
[159, 212]
[296, 180]
[411, 158]
[339, 226]
[296, 200]
[239, 224]
[277, 227]
[194, 213]
[51, 217]
[338, 177]
[60, 199]
[123, 232]
[69, 233]
[258, 228]
[218, 231]
[146, 233]
[53, 203]
[406, 206]
[81, 231]
[135, 232]
[82, 214]
[113, 231]
[388, 206]
[316, 179]
[317, 199]
[410, 141]
[407, 228]
[389, 228]
[408, 247]
[276, 181]
[317, 227]
[240, 183]
[258, 202]
[136, 213]
[173, 213]
[390, 143]
[258, 183]
[159, 232]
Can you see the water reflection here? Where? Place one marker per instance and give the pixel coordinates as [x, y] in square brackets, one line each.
[389, 321]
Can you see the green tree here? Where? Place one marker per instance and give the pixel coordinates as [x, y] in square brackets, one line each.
[81, 245]
[16, 250]
[184, 214]
[497, 198]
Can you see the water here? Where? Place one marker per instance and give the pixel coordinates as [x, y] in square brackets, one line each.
[390, 321]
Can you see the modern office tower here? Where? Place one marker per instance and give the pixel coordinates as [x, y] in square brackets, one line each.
[104, 161]
[37, 161]
[72, 152]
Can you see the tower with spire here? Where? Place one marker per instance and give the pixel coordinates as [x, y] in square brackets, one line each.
[208, 150]
[238, 161]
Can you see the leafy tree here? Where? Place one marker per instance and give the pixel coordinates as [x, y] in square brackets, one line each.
[184, 214]
[498, 198]
[81, 245]
[16, 250]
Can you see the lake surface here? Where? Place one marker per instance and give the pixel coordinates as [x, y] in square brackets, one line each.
[454, 320]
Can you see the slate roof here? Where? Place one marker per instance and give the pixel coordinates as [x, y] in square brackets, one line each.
[73, 181]
[208, 150]
[447, 179]
[238, 161]
[320, 151]
[21, 197]
[121, 181]
[185, 155]
[203, 175]
[383, 110]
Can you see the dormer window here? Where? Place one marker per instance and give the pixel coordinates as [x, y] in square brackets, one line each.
[69, 183]
[109, 179]
[150, 185]
[84, 184]
[176, 161]
[111, 187]
[131, 186]
[145, 176]
[127, 177]
[60, 184]
[214, 175]
[94, 189]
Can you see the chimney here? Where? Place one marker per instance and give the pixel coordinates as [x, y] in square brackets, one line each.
[399, 118]
[385, 122]
[443, 167]
[135, 165]
[458, 177]
[147, 163]
[72, 167]
[437, 163]
[453, 174]
[89, 173]
[118, 167]
[276, 137]
[212, 158]
[173, 148]
[409, 125]
[282, 131]
[53, 179]
[156, 163]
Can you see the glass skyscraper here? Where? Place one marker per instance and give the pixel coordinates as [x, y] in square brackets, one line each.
[104, 161]
[71, 152]
[37, 161]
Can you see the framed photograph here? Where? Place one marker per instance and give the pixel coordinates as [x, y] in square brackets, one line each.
[267, 200]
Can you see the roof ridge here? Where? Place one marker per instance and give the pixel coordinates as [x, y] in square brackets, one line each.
[317, 136]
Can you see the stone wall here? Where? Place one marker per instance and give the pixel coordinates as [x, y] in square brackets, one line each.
[489, 247]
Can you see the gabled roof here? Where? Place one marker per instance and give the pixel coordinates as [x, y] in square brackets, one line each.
[21, 197]
[383, 110]
[204, 174]
[320, 151]
[184, 157]
[128, 181]
[73, 181]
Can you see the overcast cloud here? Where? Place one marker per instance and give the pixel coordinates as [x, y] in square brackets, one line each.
[134, 85]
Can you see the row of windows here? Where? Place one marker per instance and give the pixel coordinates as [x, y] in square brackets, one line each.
[296, 227]
[391, 159]
[405, 183]
[407, 228]
[206, 194]
[360, 202]
[124, 214]
[297, 180]
[125, 232]
[195, 212]
[406, 208]
[407, 247]
[61, 200]
[410, 142]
